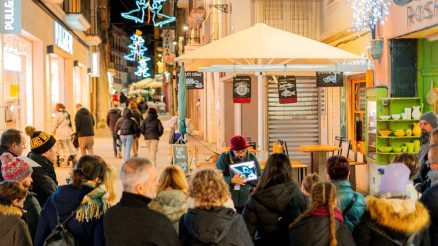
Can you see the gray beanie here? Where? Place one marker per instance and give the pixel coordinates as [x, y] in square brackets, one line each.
[431, 118]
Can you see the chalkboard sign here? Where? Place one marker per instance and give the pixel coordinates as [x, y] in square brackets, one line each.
[194, 80]
[329, 79]
[181, 157]
[287, 89]
[242, 89]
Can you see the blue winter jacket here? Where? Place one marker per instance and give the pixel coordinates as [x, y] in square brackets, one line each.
[67, 198]
[345, 194]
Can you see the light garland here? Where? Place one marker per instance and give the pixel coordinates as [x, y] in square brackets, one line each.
[155, 7]
[137, 47]
[368, 13]
[142, 67]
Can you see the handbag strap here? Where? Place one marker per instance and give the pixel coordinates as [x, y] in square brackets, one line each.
[350, 205]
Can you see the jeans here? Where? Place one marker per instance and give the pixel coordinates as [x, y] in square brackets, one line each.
[126, 146]
[117, 147]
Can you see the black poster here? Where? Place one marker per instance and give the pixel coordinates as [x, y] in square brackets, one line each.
[194, 80]
[242, 89]
[329, 79]
[287, 89]
[181, 157]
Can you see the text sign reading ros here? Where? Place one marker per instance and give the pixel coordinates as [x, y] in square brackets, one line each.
[63, 39]
[10, 17]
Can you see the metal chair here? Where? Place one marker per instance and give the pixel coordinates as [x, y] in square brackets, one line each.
[338, 143]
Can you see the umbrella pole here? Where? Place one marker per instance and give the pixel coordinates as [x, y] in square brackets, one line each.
[260, 134]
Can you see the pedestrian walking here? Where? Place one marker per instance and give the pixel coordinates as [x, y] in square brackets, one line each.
[62, 131]
[85, 199]
[12, 141]
[391, 218]
[131, 221]
[322, 224]
[275, 203]
[350, 202]
[152, 130]
[210, 221]
[42, 151]
[172, 194]
[139, 118]
[16, 169]
[13, 229]
[112, 117]
[84, 123]
[127, 128]
[123, 100]
[239, 187]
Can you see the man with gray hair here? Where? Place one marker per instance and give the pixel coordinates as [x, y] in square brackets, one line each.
[131, 221]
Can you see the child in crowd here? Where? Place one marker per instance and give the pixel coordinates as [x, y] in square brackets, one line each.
[308, 182]
[411, 161]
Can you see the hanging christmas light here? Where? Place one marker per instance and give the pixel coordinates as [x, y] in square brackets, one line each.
[142, 67]
[137, 47]
[368, 13]
[154, 8]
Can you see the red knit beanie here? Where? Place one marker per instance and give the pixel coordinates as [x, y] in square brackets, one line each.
[14, 168]
[238, 142]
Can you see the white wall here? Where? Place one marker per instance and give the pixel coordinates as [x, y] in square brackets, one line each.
[337, 17]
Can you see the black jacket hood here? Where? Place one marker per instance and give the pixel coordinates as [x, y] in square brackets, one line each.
[278, 197]
[210, 226]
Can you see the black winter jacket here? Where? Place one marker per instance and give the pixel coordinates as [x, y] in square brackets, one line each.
[113, 115]
[217, 226]
[430, 201]
[269, 212]
[43, 176]
[84, 123]
[127, 124]
[386, 220]
[131, 222]
[151, 127]
[315, 231]
[137, 116]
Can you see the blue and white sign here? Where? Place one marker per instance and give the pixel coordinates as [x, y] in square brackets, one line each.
[63, 39]
[10, 17]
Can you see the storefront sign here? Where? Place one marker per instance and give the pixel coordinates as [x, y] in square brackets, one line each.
[287, 89]
[10, 16]
[181, 157]
[95, 64]
[168, 45]
[242, 89]
[421, 11]
[194, 80]
[329, 79]
[63, 39]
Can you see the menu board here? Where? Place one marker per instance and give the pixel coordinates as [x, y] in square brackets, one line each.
[242, 89]
[287, 89]
[194, 80]
[181, 157]
[329, 79]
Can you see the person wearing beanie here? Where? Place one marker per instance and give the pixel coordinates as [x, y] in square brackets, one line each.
[12, 141]
[239, 187]
[391, 218]
[428, 122]
[42, 151]
[16, 169]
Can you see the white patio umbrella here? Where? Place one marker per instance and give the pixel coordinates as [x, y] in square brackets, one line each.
[263, 48]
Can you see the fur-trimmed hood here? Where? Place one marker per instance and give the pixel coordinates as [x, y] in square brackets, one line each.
[10, 210]
[404, 216]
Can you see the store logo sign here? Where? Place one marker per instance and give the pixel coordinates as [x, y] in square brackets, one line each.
[95, 64]
[10, 17]
[63, 39]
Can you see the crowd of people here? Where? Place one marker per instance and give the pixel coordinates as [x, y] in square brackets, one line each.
[213, 206]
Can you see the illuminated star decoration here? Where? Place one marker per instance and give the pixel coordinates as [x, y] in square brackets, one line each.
[368, 13]
[142, 67]
[155, 8]
[137, 47]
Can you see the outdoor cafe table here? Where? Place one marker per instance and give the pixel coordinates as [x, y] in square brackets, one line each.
[318, 156]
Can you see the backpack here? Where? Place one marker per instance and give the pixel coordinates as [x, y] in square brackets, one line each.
[60, 236]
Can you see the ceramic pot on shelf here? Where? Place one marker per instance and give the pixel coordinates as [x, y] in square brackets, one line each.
[416, 113]
[417, 145]
[417, 130]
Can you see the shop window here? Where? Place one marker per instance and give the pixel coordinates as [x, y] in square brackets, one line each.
[404, 68]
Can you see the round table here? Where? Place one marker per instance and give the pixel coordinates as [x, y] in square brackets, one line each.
[318, 156]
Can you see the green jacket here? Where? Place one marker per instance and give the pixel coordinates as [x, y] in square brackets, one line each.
[33, 208]
[345, 194]
[240, 197]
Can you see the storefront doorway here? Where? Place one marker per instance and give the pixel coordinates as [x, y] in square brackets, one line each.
[57, 88]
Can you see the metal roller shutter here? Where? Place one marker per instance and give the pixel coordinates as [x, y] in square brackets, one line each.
[296, 123]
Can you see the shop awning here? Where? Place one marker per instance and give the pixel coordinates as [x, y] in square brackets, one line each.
[262, 45]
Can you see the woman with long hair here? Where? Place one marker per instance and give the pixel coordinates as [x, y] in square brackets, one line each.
[86, 198]
[275, 203]
[13, 229]
[62, 130]
[210, 222]
[172, 194]
[127, 128]
[322, 224]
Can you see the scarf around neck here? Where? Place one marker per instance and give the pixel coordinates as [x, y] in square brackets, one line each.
[94, 204]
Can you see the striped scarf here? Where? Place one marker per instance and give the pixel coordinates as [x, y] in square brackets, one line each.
[94, 204]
